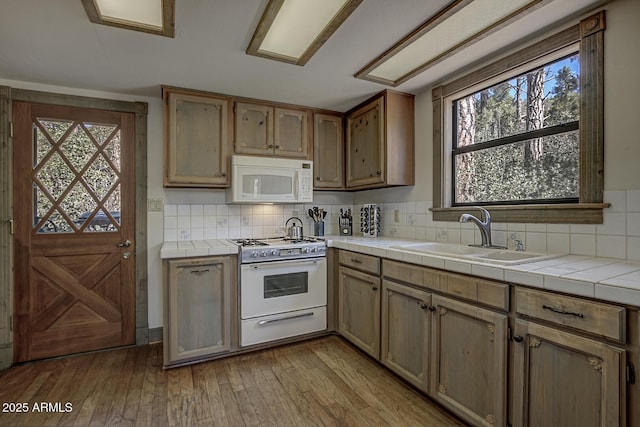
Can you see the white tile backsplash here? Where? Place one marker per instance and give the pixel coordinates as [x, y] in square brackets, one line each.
[618, 236]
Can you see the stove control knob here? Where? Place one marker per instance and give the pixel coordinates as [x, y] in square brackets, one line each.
[274, 252]
[254, 254]
[305, 250]
[263, 253]
[314, 249]
[322, 249]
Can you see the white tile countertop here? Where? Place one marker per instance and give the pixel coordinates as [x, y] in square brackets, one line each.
[192, 248]
[607, 279]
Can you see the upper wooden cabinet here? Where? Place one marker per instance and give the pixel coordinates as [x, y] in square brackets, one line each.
[267, 130]
[197, 137]
[380, 142]
[328, 152]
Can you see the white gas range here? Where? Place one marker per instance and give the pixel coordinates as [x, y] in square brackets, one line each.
[283, 288]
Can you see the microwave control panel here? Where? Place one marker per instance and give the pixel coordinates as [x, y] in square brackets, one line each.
[306, 185]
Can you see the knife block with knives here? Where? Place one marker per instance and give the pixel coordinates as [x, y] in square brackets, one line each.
[345, 223]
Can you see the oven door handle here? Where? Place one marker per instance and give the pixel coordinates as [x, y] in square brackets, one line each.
[280, 319]
[290, 263]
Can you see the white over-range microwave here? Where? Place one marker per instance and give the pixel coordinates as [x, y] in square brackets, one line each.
[270, 180]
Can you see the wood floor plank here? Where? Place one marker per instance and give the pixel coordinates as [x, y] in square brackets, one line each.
[104, 394]
[144, 416]
[316, 383]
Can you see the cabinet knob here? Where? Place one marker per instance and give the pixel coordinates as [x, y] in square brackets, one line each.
[432, 308]
[424, 306]
[374, 288]
[270, 145]
[277, 146]
[518, 338]
[379, 172]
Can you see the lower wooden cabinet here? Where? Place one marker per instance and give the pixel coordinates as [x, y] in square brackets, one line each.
[406, 324]
[469, 361]
[492, 353]
[359, 309]
[562, 379]
[199, 312]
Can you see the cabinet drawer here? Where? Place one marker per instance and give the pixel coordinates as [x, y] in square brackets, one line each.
[593, 317]
[483, 291]
[413, 274]
[361, 262]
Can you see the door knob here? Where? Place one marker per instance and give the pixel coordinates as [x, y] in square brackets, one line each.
[125, 244]
[126, 255]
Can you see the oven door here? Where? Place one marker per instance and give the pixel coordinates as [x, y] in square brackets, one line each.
[281, 286]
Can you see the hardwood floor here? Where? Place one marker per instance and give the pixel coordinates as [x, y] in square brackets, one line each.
[322, 382]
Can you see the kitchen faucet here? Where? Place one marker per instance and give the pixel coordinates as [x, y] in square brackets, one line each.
[484, 225]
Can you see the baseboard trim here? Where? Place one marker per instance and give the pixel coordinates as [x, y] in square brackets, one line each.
[155, 334]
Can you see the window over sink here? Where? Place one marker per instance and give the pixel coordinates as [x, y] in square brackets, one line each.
[524, 134]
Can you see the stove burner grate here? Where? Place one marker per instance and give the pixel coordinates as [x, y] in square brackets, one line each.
[250, 242]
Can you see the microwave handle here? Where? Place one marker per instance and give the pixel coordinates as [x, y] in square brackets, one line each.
[296, 185]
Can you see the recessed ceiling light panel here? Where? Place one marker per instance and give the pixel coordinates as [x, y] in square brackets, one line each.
[293, 30]
[457, 26]
[151, 16]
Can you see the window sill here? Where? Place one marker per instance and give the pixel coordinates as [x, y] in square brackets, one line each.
[579, 213]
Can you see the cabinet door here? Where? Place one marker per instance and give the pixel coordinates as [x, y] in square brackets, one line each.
[359, 309]
[291, 133]
[197, 140]
[328, 151]
[469, 361]
[561, 379]
[199, 307]
[254, 129]
[366, 145]
[405, 332]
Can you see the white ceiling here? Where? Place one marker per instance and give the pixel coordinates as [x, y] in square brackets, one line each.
[52, 42]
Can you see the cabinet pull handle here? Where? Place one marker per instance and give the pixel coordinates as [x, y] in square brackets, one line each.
[374, 288]
[199, 271]
[569, 313]
[280, 319]
[356, 261]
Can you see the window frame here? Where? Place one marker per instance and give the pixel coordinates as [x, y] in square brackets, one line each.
[588, 35]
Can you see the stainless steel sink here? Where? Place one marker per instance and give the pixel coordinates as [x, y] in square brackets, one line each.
[489, 255]
[440, 248]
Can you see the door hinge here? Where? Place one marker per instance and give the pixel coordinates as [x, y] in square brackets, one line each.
[509, 334]
[10, 129]
[631, 373]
